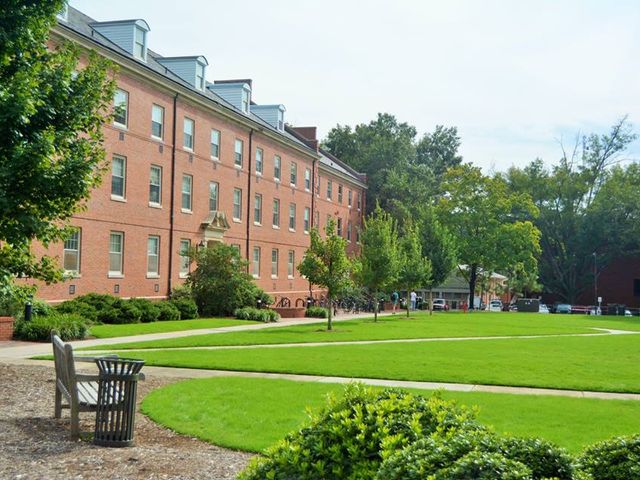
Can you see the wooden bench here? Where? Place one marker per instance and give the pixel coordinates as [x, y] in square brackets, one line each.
[79, 391]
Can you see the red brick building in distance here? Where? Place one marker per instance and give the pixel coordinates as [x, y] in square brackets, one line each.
[194, 162]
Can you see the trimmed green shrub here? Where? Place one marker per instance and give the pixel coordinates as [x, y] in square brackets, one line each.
[167, 311]
[478, 465]
[614, 459]
[69, 326]
[149, 310]
[316, 312]
[40, 308]
[545, 459]
[180, 292]
[187, 307]
[351, 436]
[257, 314]
[80, 308]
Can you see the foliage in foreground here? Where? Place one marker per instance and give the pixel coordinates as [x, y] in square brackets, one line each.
[265, 315]
[393, 435]
[316, 312]
[69, 327]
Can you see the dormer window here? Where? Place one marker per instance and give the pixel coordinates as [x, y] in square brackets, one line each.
[200, 76]
[246, 99]
[140, 44]
[64, 13]
[280, 120]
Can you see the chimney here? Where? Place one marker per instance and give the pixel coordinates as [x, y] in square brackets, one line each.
[308, 135]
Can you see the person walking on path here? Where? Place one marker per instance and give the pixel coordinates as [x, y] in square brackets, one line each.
[394, 302]
[414, 298]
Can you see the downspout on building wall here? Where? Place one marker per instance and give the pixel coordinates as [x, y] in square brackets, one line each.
[172, 201]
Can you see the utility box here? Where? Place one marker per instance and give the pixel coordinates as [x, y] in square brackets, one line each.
[528, 305]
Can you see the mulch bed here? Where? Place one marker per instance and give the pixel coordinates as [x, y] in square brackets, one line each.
[34, 445]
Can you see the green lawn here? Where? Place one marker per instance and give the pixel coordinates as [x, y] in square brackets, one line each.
[606, 363]
[127, 330]
[251, 414]
[419, 326]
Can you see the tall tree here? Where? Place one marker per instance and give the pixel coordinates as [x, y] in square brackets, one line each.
[438, 245]
[576, 198]
[489, 222]
[51, 117]
[326, 264]
[379, 263]
[439, 150]
[414, 268]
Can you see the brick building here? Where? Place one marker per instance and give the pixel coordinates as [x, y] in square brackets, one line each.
[194, 162]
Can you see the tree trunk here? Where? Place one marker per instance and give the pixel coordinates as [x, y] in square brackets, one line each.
[473, 276]
[431, 301]
[408, 303]
[375, 306]
[329, 317]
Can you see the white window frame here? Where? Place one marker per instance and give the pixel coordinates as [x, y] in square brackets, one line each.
[238, 156]
[291, 260]
[339, 227]
[275, 257]
[237, 195]
[245, 100]
[359, 203]
[153, 203]
[349, 227]
[340, 191]
[153, 255]
[185, 261]
[214, 196]
[293, 174]
[142, 55]
[119, 272]
[157, 109]
[200, 80]
[329, 190]
[255, 261]
[257, 209]
[275, 218]
[307, 179]
[350, 198]
[292, 217]
[277, 168]
[259, 161]
[215, 142]
[188, 135]
[186, 194]
[72, 246]
[307, 219]
[123, 194]
[126, 108]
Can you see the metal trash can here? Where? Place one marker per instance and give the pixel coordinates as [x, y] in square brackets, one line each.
[116, 409]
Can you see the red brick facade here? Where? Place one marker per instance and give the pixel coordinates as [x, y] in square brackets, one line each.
[137, 219]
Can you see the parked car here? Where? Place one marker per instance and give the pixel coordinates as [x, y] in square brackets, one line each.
[440, 304]
[543, 308]
[495, 306]
[627, 313]
[563, 308]
[513, 307]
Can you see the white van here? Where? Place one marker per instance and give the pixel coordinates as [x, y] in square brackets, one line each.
[495, 306]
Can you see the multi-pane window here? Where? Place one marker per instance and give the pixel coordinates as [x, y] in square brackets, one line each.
[280, 120]
[277, 164]
[329, 189]
[237, 204]
[185, 261]
[290, 263]
[349, 227]
[238, 152]
[246, 100]
[276, 213]
[71, 256]
[274, 262]
[213, 196]
[318, 186]
[200, 76]
[257, 208]
[187, 192]
[140, 44]
[118, 176]
[357, 235]
[120, 108]
[215, 144]
[316, 220]
[153, 255]
[307, 219]
[292, 216]
[307, 179]
[359, 204]
[157, 121]
[259, 160]
[256, 261]
[155, 185]
[294, 173]
[339, 193]
[349, 198]
[187, 138]
[116, 247]
[339, 226]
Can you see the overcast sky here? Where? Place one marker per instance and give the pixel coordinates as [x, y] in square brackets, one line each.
[515, 77]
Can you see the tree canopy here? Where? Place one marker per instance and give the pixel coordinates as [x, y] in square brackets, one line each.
[414, 269]
[51, 117]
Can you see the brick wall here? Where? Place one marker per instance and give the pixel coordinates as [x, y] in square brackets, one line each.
[6, 328]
